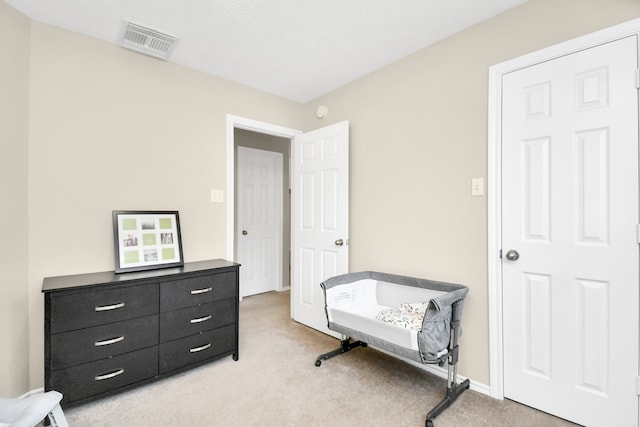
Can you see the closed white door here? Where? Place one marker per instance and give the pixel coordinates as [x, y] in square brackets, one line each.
[320, 213]
[570, 235]
[259, 220]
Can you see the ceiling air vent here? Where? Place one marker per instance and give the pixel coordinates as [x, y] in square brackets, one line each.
[147, 41]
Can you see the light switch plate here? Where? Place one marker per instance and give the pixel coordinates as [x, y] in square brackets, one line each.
[217, 196]
[477, 187]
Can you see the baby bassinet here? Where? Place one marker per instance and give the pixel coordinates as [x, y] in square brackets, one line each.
[417, 319]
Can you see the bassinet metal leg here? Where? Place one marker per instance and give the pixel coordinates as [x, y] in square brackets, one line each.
[454, 390]
[345, 345]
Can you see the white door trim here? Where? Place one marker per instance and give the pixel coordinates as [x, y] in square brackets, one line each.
[494, 163]
[237, 122]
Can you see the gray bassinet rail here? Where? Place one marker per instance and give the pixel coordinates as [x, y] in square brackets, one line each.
[414, 318]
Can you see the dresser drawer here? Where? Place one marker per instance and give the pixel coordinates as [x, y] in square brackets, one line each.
[104, 375]
[183, 352]
[97, 307]
[192, 320]
[99, 342]
[176, 294]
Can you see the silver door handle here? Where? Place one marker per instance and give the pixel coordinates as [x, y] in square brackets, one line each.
[339, 242]
[512, 255]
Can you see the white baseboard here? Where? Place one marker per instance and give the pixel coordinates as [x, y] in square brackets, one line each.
[32, 392]
[443, 373]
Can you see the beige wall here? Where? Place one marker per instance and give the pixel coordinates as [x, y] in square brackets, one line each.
[111, 129]
[14, 95]
[418, 137]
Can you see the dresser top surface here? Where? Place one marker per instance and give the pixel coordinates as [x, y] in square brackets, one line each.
[79, 280]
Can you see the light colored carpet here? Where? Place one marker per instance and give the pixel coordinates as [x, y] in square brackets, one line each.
[275, 383]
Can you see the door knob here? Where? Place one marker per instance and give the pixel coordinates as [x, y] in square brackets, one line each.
[513, 255]
[244, 232]
[339, 242]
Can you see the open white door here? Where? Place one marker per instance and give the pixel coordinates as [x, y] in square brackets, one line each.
[320, 216]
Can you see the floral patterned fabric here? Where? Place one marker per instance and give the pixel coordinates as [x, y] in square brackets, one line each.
[414, 307]
[406, 315]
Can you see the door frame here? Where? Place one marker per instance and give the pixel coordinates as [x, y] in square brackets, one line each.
[494, 178]
[237, 122]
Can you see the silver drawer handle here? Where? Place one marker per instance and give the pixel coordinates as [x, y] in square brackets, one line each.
[197, 349]
[201, 291]
[201, 319]
[111, 341]
[110, 307]
[109, 375]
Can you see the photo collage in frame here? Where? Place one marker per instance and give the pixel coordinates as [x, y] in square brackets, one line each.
[146, 240]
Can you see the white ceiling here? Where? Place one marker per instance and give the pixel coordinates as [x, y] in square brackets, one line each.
[297, 49]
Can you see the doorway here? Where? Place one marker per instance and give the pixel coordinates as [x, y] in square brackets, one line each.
[259, 133]
[263, 206]
[330, 171]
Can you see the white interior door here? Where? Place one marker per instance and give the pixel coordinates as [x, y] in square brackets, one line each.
[259, 220]
[320, 216]
[570, 211]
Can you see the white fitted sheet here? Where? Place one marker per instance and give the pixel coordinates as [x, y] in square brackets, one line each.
[362, 317]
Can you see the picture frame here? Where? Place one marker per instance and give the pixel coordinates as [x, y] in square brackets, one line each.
[146, 240]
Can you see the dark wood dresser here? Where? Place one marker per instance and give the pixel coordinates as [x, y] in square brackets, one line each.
[106, 332]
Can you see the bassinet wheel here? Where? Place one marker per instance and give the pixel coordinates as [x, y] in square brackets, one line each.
[429, 423]
[318, 362]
